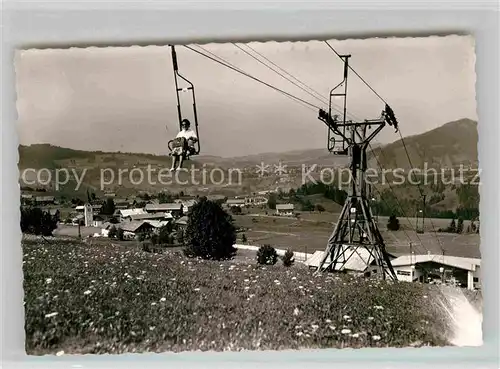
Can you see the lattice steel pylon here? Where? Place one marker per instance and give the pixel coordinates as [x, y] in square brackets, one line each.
[356, 234]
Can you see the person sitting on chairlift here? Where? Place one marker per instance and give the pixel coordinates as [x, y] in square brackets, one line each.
[183, 144]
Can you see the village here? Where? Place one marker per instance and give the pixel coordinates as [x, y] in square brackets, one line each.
[138, 219]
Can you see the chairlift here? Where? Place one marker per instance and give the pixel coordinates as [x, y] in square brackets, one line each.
[178, 145]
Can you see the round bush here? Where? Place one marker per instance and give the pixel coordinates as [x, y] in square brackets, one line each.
[267, 255]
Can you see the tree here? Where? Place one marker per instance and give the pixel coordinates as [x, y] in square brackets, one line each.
[267, 255]
[179, 236]
[307, 205]
[271, 201]
[112, 232]
[120, 234]
[460, 225]
[236, 210]
[452, 228]
[393, 224]
[288, 258]
[210, 232]
[320, 208]
[155, 239]
[38, 222]
[165, 197]
[141, 236]
[243, 238]
[108, 207]
[165, 234]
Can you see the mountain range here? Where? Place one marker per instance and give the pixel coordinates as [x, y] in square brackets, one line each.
[449, 145]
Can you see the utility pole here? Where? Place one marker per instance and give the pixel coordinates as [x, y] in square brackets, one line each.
[355, 229]
[423, 215]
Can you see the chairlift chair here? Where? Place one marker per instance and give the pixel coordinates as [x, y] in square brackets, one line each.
[174, 144]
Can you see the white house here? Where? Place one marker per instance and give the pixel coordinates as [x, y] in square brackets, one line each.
[255, 200]
[356, 263]
[173, 208]
[284, 209]
[187, 205]
[126, 213]
[431, 268]
[235, 202]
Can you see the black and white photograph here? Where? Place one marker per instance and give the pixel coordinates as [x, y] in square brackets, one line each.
[250, 196]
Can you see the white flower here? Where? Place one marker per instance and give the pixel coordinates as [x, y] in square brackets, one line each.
[247, 288]
[347, 317]
[331, 327]
[346, 331]
[197, 289]
[378, 307]
[48, 280]
[296, 311]
[299, 334]
[314, 326]
[87, 292]
[370, 318]
[328, 321]
[153, 303]
[376, 338]
[163, 299]
[60, 353]
[51, 315]
[355, 335]
[294, 278]
[152, 328]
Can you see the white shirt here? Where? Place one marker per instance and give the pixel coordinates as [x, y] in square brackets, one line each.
[187, 134]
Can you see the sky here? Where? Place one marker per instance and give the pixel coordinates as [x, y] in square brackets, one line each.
[123, 99]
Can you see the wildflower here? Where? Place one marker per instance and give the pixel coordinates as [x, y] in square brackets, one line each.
[60, 353]
[376, 338]
[87, 292]
[163, 299]
[196, 289]
[299, 334]
[345, 331]
[152, 328]
[294, 278]
[48, 280]
[314, 326]
[51, 315]
[331, 327]
[370, 318]
[153, 303]
[328, 321]
[355, 335]
[347, 317]
[296, 311]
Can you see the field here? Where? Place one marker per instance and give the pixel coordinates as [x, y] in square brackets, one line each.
[109, 298]
[311, 231]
